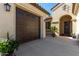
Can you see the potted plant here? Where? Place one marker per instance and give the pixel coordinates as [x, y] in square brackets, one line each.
[8, 47]
[73, 35]
[53, 30]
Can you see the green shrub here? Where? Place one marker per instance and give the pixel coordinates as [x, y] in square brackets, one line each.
[8, 46]
[53, 30]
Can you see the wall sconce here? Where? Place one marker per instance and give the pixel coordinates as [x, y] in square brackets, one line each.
[7, 6]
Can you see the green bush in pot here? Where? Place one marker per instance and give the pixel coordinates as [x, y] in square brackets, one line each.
[53, 30]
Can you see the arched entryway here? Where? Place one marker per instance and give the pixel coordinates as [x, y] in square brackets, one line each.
[65, 25]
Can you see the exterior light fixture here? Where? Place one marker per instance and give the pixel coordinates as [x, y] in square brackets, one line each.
[7, 6]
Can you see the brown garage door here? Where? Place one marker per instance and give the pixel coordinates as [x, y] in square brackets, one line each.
[27, 26]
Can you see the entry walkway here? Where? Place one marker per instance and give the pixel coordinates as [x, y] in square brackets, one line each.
[49, 47]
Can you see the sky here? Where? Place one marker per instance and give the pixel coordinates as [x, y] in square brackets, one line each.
[47, 6]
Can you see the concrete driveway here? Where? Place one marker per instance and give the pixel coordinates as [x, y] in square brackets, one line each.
[49, 47]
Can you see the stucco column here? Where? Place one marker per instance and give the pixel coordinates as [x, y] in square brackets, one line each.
[43, 30]
[77, 27]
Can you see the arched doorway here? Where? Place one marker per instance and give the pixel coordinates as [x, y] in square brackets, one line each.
[65, 25]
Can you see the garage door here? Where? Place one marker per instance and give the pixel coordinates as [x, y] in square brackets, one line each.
[27, 26]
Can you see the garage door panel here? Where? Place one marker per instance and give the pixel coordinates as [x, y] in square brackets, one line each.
[27, 26]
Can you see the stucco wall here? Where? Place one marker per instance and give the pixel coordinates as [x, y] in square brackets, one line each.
[59, 12]
[8, 19]
[74, 24]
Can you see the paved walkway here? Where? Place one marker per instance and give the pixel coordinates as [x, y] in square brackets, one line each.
[60, 46]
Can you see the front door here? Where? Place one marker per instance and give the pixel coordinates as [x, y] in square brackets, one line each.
[67, 28]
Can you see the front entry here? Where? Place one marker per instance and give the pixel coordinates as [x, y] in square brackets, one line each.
[27, 26]
[66, 25]
[67, 28]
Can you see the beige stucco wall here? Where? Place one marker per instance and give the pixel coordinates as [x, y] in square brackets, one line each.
[8, 19]
[59, 12]
[74, 24]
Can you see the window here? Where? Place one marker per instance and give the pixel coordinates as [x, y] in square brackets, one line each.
[66, 8]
